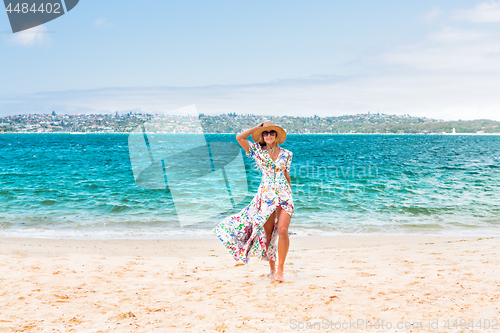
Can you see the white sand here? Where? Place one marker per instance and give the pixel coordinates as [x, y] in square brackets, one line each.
[196, 286]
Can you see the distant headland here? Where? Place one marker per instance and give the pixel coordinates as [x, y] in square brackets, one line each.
[367, 123]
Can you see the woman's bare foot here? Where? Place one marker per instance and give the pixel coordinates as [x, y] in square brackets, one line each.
[279, 276]
[272, 275]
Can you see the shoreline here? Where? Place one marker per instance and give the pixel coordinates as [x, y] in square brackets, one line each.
[207, 234]
[192, 284]
[311, 242]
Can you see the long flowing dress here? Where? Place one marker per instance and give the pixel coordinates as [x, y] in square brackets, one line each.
[243, 234]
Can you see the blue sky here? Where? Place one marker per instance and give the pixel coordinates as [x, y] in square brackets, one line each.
[437, 59]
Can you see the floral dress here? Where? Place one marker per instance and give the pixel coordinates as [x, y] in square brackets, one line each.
[243, 233]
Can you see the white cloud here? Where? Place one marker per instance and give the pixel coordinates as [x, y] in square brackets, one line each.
[488, 11]
[431, 15]
[450, 50]
[442, 96]
[100, 21]
[35, 36]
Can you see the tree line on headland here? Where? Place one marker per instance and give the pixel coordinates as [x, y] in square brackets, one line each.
[346, 124]
[369, 123]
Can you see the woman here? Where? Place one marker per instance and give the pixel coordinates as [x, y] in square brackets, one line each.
[254, 228]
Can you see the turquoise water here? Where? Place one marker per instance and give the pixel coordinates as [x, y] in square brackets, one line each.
[83, 185]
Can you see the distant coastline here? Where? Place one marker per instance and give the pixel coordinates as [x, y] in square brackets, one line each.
[232, 123]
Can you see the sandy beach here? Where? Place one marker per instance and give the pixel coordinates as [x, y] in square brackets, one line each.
[372, 283]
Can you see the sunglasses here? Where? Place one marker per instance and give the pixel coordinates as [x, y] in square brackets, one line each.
[273, 133]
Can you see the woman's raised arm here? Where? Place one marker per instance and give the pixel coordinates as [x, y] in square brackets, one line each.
[242, 137]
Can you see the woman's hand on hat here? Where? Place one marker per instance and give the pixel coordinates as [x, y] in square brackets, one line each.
[260, 125]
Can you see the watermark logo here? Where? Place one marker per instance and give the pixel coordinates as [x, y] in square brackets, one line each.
[205, 178]
[27, 14]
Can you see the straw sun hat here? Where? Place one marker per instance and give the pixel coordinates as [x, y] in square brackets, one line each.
[269, 126]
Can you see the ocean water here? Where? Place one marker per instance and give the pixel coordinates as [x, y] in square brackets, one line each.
[85, 186]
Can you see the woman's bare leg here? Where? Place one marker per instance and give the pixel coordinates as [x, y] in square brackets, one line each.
[269, 227]
[283, 241]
